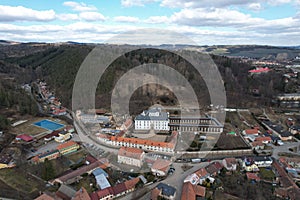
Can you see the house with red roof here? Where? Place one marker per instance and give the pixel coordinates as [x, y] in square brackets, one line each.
[252, 177]
[192, 192]
[160, 167]
[24, 137]
[214, 168]
[131, 156]
[68, 147]
[251, 132]
[230, 164]
[264, 140]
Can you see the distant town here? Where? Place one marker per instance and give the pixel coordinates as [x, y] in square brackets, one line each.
[157, 154]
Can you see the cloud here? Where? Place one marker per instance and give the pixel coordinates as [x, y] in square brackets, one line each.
[92, 16]
[20, 13]
[130, 3]
[157, 20]
[202, 3]
[219, 17]
[126, 19]
[67, 17]
[81, 7]
[255, 6]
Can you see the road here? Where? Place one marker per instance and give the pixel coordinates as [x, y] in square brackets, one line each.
[175, 180]
[285, 149]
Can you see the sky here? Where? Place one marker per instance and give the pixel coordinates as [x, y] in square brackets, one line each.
[205, 22]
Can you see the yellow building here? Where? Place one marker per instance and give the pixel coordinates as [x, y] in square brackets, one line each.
[6, 161]
[68, 147]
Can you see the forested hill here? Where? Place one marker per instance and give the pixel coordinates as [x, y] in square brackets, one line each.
[58, 65]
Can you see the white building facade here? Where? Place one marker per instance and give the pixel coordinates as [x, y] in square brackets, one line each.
[153, 118]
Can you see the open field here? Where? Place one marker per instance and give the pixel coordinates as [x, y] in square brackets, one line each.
[20, 181]
[228, 142]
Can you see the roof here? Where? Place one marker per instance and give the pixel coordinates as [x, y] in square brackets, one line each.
[82, 194]
[146, 142]
[257, 143]
[286, 134]
[155, 193]
[119, 188]
[99, 171]
[105, 192]
[80, 171]
[201, 172]
[153, 114]
[190, 192]
[26, 138]
[251, 131]
[65, 192]
[48, 153]
[53, 134]
[161, 164]
[263, 139]
[130, 184]
[262, 158]
[259, 70]
[252, 176]
[102, 181]
[66, 145]
[166, 190]
[214, 167]
[230, 161]
[5, 158]
[90, 159]
[44, 197]
[130, 152]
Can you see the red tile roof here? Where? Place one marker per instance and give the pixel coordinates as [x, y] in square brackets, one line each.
[66, 145]
[81, 194]
[251, 131]
[264, 139]
[252, 176]
[161, 164]
[201, 172]
[44, 197]
[26, 138]
[105, 192]
[190, 192]
[170, 144]
[130, 184]
[131, 152]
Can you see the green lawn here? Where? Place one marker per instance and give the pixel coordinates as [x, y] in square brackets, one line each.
[18, 180]
[267, 174]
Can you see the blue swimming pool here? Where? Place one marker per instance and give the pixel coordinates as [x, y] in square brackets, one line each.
[48, 124]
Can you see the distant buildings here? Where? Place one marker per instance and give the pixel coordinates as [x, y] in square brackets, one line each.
[131, 156]
[153, 118]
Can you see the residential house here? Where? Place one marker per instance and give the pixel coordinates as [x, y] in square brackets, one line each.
[295, 129]
[6, 161]
[44, 197]
[81, 194]
[24, 137]
[264, 140]
[192, 192]
[65, 192]
[160, 167]
[68, 147]
[251, 132]
[263, 161]
[257, 145]
[286, 135]
[131, 156]
[102, 181]
[214, 168]
[252, 177]
[230, 164]
[164, 191]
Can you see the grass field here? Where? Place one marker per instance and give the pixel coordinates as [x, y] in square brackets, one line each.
[227, 142]
[19, 181]
[266, 174]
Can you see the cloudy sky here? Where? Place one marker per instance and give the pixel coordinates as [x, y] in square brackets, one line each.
[207, 22]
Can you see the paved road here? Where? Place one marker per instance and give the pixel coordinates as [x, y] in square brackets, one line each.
[285, 148]
[175, 180]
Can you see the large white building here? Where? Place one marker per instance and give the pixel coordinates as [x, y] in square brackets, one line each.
[153, 118]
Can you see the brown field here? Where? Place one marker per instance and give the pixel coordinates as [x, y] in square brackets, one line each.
[228, 142]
